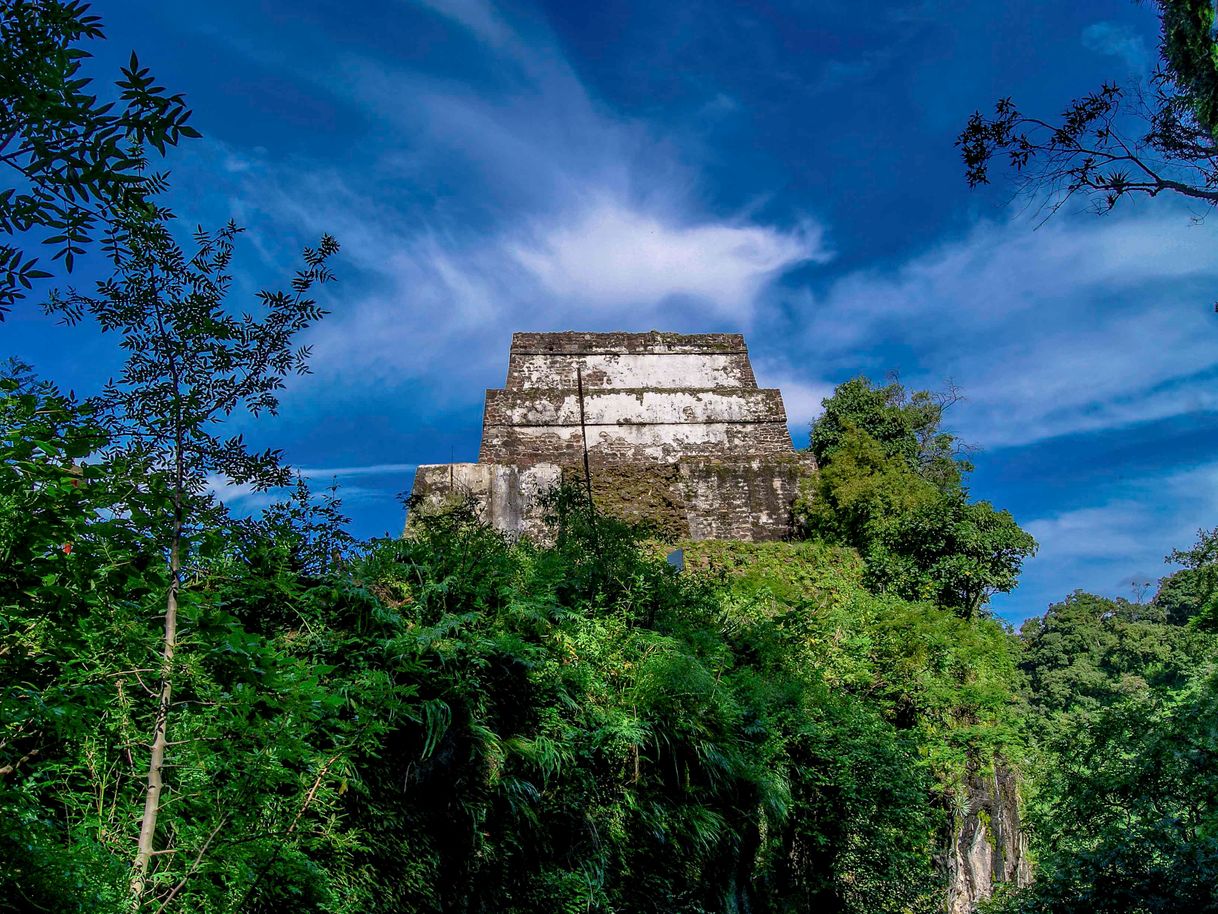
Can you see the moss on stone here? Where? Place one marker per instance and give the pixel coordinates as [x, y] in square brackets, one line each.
[649, 495]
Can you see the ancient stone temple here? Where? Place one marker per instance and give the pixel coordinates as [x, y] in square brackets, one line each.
[678, 435]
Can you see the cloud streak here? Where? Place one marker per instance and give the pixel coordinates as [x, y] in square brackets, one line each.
[569, 217]
[247, 497]
[607, 255]
[376, 469]
[1084, 325]
[1107, 547]
[1118, 41]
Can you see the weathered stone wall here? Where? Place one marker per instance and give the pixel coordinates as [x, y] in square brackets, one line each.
[630, 360]
[678, 435]
[751, 500]
[632, 425]
[575, 342]
[639, 406]
[632, 443]
[508, 497]
[654, 371]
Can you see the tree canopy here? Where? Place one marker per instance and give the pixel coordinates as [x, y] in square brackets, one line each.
[1123, 794]
[1116, 142]
[1192, 593]
[77, 166]
[891, 484]
[907, 426]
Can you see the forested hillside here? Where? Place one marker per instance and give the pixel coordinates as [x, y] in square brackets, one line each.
[206, 711]
[453, 722]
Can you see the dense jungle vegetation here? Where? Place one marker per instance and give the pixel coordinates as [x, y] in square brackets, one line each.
[201, 711]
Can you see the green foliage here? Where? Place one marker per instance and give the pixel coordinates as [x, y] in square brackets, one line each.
[906, 426]
[950, 551]
[1192, 594]
[1088, 652]
[1189, 62]
[1123, 803]
[451, 722]
[1182, 594]
[190, 364]
[926, 670]
[262, 742]
[1128, 818]
[71, 573]
[860, 486]
[78, 164]
[618, 736]
[890, 486]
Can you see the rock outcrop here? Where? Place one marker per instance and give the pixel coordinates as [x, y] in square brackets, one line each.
[988, 846]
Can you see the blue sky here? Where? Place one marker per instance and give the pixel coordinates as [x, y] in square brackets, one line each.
[784, 170]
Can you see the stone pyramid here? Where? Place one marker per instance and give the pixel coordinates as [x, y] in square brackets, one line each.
[679, 436]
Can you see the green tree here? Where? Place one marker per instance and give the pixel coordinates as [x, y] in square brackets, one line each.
[1122, 791]
[1087, 652]
[907, 426]
[1117, 142]
[69, 562]
[858, 486]
[190, 364]
[78, 165]
[951, 551]
[890, 485]
[284, 676]
[1192, 594]
[1128, 818]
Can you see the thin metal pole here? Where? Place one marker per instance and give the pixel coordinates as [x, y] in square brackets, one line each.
[583, 432]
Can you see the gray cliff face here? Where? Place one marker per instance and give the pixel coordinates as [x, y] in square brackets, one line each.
[988, 846]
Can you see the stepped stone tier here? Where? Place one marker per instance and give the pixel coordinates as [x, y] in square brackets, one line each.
[678, 433]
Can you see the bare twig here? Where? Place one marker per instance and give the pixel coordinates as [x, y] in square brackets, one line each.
[193, 866]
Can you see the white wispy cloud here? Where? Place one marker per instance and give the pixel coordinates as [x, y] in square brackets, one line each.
[244, 495]
[569, 217]
[1084, 325]
[1107, 547]
[1114, 531]
[606, 254]
[375, 469]
[248, 498]
[479, 17]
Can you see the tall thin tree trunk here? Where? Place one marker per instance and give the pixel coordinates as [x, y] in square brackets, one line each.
[160, 739]
[160, 730]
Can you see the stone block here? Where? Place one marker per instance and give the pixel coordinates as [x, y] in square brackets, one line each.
[631, 370]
